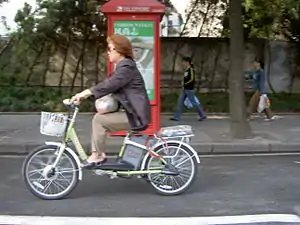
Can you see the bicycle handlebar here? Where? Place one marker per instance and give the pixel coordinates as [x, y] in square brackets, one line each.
[68, 102]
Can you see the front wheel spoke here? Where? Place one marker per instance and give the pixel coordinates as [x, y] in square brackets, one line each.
[61, 179]
[58, 185]
[50, 159]
[64, 178]
[51, 187]
[40, 178]
[47, 186]
[67, 171]
[34, 172]
[39, 162]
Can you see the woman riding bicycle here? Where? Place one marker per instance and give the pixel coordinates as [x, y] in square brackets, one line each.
[127, 86]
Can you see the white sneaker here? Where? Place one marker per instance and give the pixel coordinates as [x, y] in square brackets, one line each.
[270, 119]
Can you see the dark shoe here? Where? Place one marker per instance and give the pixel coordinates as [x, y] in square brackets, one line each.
[91, 165]
[202, 118]
[174, 119]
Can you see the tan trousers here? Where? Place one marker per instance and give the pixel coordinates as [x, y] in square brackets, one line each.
[104, 123]
[254, 103]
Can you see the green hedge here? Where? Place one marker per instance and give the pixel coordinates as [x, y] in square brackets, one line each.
[35, 99]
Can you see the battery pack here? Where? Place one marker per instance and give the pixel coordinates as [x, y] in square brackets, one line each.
[133, 154]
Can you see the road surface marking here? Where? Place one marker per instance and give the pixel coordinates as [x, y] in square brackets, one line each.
[220, 220]
[200, 155]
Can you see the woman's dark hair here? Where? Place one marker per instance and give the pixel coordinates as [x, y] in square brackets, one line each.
[189, 60]
[261, 63]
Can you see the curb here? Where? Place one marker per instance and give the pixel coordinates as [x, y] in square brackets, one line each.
[201, 148]
[162, 114]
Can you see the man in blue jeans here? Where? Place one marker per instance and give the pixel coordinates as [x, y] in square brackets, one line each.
[188, 90]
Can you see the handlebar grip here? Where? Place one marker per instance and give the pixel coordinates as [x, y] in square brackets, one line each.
[68, 102]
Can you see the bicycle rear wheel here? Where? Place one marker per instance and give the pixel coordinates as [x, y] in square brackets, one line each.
[47, 182]
[180, 157]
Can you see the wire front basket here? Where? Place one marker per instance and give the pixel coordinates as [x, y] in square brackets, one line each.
[53, 124]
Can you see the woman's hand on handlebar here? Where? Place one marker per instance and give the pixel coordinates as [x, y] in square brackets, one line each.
[81, 95]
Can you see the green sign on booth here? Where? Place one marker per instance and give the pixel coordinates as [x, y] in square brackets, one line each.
[141, 35]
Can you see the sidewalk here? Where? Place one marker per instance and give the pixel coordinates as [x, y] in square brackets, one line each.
[19, 134]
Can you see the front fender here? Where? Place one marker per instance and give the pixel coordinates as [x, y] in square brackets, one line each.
[171, 141]
[76, 158]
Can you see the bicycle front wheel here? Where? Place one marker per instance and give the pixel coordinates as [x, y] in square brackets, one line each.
[45, 181]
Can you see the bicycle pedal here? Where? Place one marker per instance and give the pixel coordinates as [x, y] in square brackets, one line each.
[125, 176]
[94, 165]
[91, 166]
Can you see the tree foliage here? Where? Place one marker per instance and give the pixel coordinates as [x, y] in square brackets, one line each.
[271, 19]
[3, 1]
[54, 20]
[50, 26]
[204, 16]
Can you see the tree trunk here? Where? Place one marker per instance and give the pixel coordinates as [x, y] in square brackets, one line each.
[62, 71]
[240, 127]
[34, 63]
[6, 46]
[46, 69]
[79, 61]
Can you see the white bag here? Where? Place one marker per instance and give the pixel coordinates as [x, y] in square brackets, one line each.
[263, 103]
[106, 104]
[188, 103]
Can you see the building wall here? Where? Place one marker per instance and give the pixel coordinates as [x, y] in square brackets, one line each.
[210, 55]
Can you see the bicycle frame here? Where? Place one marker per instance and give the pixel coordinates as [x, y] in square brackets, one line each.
[71, 136]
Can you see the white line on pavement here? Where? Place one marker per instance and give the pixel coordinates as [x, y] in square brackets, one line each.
[201, 156]
[244, 219]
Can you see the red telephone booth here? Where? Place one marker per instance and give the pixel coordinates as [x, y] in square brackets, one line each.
[139, 20]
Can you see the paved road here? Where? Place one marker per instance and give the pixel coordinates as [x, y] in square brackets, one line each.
[226, 186]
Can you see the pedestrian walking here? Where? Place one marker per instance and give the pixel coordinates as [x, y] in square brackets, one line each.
[187, 92]
[260, 95]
